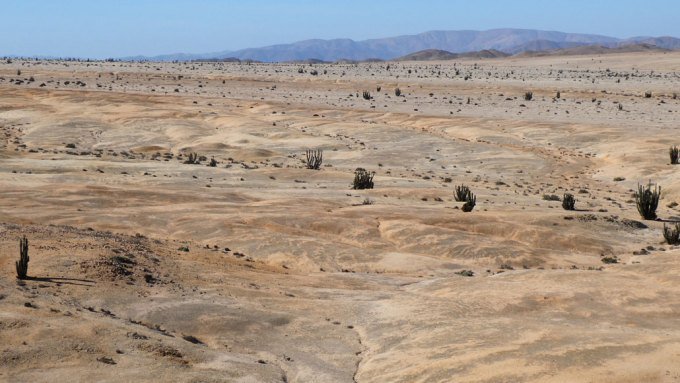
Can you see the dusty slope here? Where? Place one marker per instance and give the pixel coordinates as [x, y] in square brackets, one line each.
[316, 285]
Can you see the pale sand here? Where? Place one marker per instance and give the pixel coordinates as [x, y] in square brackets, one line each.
[317, 287]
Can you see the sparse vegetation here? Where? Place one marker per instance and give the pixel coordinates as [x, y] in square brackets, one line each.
[568, 202]
[674, 153]
[466, 273]
[264, 212]
[461, 194]
[647, 200]
[22, 263]
[672, 234]
[193, 159]
[470, 202]
[314, 159]
[363, 179]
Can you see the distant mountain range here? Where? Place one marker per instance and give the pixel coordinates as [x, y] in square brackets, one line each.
[506, 41]
[595, 49]
[438, 54]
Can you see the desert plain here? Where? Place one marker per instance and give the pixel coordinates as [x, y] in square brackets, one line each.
[146, 268]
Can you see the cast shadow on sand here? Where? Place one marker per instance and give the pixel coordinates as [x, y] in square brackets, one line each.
[64, 281]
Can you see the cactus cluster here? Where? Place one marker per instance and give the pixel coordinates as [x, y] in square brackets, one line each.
[193, 159]
[463, 194]
[647, 200]
[470, 203]
[314, 159]
[672, 234]
[363, 179]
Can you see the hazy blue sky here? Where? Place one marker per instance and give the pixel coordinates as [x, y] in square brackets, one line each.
[99, 28]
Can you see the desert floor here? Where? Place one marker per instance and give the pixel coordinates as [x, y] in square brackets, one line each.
[145, 268]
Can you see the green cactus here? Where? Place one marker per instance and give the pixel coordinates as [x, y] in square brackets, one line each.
[193, 159]
[314, 159]
[470, 202]
[363, 179]
[647, 200]
[22, 263]
[674, 153]
[461, 193]
[672, 234]
[568, 202]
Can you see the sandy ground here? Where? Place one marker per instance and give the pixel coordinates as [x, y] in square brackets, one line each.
[145, 268]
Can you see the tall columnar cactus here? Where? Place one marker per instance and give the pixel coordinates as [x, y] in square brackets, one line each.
[367, 95]
[314, 159]
[674, 153]
[647, 200]
[22, 263]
